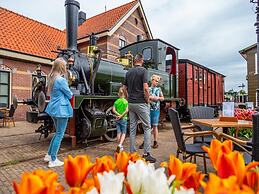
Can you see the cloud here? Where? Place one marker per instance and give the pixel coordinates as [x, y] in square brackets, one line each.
[209, 32]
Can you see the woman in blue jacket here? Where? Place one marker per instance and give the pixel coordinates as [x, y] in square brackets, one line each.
[59, 108]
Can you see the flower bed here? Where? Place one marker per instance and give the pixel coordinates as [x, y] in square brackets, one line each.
[244, 114]
[129, 173]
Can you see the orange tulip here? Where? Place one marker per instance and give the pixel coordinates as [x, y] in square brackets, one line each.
[29, 184]
[123, 158]
[194, 180]
[90, 183]
[251, 179]
[216, 185]
[77, 169]
[233, 164]
[105, 163]
[75, 190]
[216, 148]
[39, 181]
[182, 171]
[48, 177]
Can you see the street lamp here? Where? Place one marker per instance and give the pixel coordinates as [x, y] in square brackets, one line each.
[257, 50]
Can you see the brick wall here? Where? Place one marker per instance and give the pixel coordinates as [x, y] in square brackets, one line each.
[21, 81]
[132, 27]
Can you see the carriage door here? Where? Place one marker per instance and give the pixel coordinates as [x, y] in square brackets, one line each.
[171, 68]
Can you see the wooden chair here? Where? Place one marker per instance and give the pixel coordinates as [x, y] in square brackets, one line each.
[3, 109]
[9, 117]
[250, 149]
[202, 112]
[192, 149]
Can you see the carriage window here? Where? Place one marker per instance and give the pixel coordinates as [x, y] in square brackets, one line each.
[200, 76]
[147, 54]
[196, 74]
[4, 87]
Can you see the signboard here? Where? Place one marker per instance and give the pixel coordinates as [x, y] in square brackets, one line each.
[228, 109]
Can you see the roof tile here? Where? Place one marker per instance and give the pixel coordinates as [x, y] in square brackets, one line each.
[104, 21]
[22, 34]
[28, 36]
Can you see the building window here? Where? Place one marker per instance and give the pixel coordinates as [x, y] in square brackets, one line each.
[204, 77]
[136, 21]
[4, 87]
[122, 42]
[256, 70]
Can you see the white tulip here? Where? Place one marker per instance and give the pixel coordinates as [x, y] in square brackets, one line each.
[184, 191]
[156, 182]
[137, 173]
[93, 191]
[111, 183]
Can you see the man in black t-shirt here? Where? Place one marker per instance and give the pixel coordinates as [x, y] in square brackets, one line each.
[137, 92]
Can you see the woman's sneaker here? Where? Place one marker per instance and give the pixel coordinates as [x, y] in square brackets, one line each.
[47, 158]
[55, 163]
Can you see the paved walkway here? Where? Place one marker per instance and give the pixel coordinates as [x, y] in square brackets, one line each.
[21, 151]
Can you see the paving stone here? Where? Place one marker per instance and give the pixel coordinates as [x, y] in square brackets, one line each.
[30, 150]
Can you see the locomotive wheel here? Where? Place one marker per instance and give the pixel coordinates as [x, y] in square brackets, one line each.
[111, 134]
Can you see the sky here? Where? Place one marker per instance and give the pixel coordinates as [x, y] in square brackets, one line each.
[208, 32]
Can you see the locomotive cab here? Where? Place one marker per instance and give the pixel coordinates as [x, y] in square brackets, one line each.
[159, 58]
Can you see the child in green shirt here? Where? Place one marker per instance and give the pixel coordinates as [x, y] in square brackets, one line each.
[120, 108]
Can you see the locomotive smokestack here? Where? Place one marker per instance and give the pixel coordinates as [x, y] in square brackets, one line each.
[72, 8]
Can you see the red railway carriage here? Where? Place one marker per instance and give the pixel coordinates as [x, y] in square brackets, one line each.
[199, 85]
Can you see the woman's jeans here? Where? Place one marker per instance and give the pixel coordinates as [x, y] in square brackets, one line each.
[60, 125]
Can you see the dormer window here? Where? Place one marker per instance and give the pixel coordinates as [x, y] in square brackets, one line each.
[122, 41]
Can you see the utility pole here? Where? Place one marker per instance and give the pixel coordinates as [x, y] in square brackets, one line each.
[257, 50]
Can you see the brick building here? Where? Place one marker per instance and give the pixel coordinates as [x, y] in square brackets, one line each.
[26, 43]
[250, 55]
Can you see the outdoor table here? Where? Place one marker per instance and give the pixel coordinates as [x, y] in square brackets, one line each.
[216, 123]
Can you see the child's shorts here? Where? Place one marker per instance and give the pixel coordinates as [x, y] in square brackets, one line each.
[121, 126]
[154, 117]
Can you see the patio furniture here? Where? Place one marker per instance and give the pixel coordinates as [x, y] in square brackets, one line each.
[249, 148]
[3, 109]
[202, 112]
[217, 123]
[8, 117]
[188, 149]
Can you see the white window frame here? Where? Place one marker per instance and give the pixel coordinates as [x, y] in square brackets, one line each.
[122, 41]
[8, 85]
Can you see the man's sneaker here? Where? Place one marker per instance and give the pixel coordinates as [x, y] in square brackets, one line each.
[55, 163]
[141, 146]
[155, 145]
[149, 158]
[47, 158]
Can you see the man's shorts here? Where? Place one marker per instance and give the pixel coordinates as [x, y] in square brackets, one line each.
[154, 117]
[121, 126]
